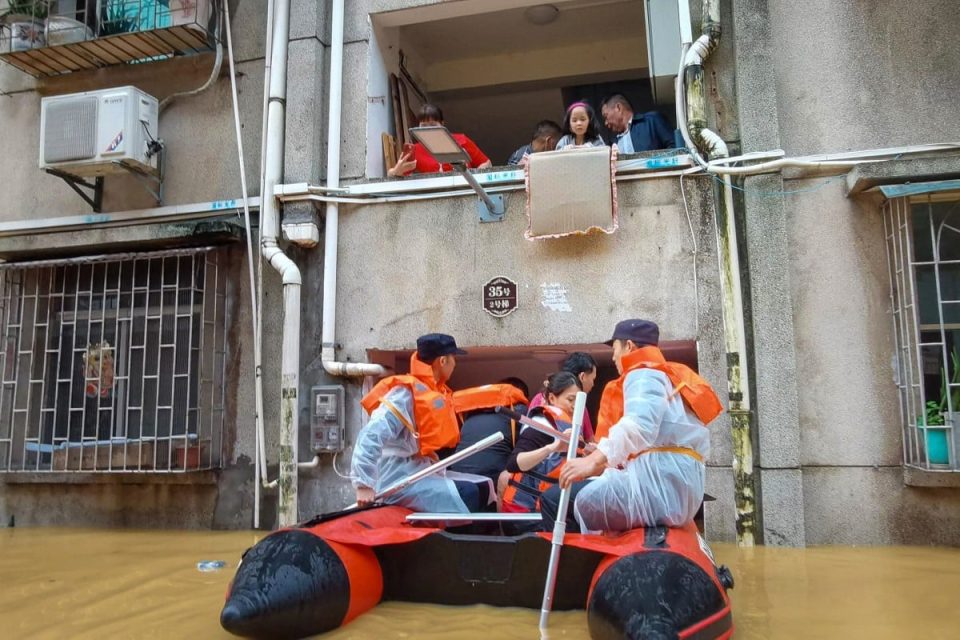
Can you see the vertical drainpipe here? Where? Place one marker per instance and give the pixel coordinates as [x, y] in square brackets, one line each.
[290, 273]
[331, 229]
[738, 382]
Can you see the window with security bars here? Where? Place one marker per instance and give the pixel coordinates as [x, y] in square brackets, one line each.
[113, 363]
[923, 251]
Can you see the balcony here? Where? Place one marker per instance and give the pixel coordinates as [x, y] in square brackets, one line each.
[47, 38]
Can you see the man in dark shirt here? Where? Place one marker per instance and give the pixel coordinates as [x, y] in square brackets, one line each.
[635, 133]
[545, 138]
[480, 424]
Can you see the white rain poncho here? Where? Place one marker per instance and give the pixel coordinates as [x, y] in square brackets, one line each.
[386, 451]
[657, 488]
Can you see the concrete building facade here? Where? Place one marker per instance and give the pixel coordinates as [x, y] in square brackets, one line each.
[836, 455]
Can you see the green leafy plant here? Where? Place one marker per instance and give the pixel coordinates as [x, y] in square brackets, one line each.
[945, 391]
[935, 410]
[37, 9]
[933, 415]
[114, 19]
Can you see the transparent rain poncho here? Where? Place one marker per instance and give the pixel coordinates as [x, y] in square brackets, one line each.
[386, 451]
[656, 488]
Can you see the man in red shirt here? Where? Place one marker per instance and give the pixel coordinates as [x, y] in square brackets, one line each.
[420, 160]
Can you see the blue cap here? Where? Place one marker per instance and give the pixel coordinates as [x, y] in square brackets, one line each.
[640, 332]
[433, 345]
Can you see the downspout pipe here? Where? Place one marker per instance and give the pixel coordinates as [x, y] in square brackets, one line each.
[328, 343]
[289, 272]
[701, 141]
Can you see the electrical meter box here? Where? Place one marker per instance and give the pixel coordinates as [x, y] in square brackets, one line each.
[327, 428]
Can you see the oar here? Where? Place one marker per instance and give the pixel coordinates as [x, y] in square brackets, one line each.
[403, 483]
[542, 428]
[560, 526]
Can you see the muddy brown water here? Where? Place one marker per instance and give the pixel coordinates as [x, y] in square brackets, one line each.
[65, 583]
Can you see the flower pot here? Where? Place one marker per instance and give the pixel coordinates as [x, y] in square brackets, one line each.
[935, 439]
[187, 457]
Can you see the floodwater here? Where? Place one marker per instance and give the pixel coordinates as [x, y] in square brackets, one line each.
[63, 583]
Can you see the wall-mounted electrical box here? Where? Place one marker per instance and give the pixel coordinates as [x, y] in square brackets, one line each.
[327, 424]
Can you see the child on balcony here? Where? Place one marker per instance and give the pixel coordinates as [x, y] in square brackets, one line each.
[580, 128]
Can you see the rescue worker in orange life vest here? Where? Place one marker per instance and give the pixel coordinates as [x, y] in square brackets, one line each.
[476, 406]
[411, 418]
[648, 468]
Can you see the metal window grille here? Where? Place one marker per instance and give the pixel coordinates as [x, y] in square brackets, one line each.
[113, 363]
[923, 256]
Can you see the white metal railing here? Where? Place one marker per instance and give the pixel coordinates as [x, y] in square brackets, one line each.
[113, 363]
[923, 257]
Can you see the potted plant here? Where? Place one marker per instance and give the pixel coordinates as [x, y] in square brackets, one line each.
[117, 16]
[126, 16]
[23, 24]
[939, 421]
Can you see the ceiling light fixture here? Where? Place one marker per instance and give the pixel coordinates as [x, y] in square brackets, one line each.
[541, 14]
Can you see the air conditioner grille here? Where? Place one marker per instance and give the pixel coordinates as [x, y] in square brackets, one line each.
[71, 130]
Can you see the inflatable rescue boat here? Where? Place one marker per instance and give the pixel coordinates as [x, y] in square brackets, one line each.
[653, 583]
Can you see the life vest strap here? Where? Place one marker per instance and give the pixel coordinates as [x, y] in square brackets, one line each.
[676, 390]
[687, 451]
[523, 488]
[541, 477]
[390, 406]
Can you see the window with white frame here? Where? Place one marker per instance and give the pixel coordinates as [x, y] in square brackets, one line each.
[923, 251]
[113, 363]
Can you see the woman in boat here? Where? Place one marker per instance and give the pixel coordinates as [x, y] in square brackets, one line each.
[584, 367]
[536, 459]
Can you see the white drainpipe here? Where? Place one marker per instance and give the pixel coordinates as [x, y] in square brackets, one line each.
[269, 233]
[328, 334]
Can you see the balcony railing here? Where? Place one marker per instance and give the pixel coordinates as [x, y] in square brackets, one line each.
[47, 38]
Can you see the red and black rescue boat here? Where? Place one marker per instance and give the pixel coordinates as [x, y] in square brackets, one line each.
[653, 583]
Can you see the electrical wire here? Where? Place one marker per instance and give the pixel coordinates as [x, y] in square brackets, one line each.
[785, 192]
[337, 471]
[254, 299]
[214, 73]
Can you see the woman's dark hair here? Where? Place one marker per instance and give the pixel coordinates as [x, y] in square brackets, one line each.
[578, 362]
[429, 112]
[592, 132]
[558, 382]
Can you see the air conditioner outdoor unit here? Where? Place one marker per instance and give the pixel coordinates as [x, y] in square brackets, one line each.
[99, 133]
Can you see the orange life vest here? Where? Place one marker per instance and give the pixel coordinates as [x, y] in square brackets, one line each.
[695, 391]
[487, 396]
[523, 492]
[434, 421]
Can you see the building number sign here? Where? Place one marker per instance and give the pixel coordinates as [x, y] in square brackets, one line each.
[500, 297]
